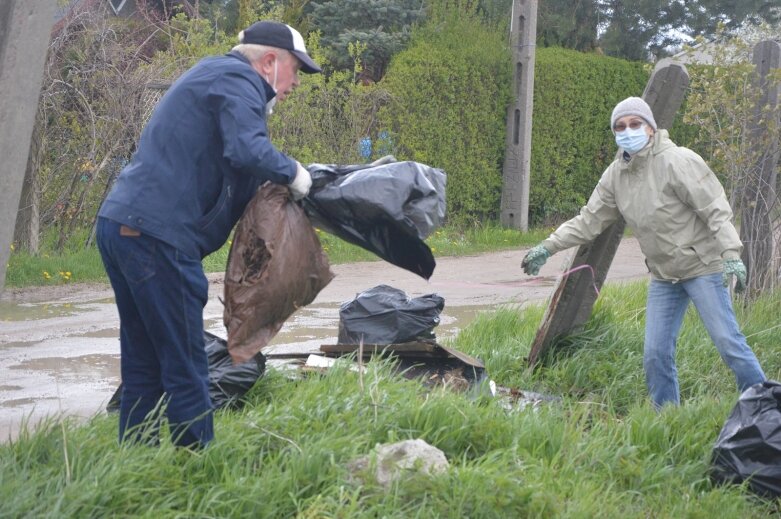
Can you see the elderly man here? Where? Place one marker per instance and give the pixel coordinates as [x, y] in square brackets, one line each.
[199, 161]
[677, 209]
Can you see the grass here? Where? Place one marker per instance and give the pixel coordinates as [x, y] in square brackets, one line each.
[78, 264]
[602, 451]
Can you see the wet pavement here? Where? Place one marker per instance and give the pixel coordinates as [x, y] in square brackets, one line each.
[59, 355]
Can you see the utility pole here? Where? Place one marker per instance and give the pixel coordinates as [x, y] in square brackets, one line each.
[25, 26]
[518, 143]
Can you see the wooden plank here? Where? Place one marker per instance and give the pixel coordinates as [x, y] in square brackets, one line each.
[372, 349]
[574, 297]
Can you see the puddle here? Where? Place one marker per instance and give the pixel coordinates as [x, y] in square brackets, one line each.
[71, 366]
[31, 312]
[75, 368]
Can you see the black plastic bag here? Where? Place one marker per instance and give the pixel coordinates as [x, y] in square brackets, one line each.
[388, 209]
[749, 445]
[228, 382]
[386, 315]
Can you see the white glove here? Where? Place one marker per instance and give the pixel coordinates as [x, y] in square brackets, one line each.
[301, 184]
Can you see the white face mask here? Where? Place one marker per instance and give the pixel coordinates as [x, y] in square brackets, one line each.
[273, 101]
[631, 140]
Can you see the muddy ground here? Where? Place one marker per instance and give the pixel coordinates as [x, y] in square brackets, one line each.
[59, 347]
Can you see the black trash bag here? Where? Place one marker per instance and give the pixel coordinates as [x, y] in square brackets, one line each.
[386, 315]
[227, 382]
[749, 445]
[388, 209]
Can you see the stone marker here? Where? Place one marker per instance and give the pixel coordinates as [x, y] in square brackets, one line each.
[574, 297]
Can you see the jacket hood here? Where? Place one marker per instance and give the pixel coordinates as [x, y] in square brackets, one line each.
[661, 142]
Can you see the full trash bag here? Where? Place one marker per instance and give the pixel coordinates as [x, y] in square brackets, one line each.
[749, 445]
[388, 209]
[228, 382]
[276, 265]
[386, 315]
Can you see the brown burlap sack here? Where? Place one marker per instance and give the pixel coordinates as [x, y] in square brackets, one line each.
[275, 266]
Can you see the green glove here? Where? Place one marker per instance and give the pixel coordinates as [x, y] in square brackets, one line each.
[535, 259]
[735, 267]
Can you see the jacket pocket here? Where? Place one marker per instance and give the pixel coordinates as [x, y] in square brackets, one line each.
[218, 208]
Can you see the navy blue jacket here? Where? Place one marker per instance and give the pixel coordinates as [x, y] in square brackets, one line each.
[200, 159]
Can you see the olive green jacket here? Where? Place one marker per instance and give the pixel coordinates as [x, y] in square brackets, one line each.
[672, 202]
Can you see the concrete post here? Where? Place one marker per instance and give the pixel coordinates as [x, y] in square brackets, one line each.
[574, 296]
[759, 192]
[517, 155]
[25, 26]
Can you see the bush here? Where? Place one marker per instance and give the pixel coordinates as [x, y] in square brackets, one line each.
[574, 95]
[449, 94]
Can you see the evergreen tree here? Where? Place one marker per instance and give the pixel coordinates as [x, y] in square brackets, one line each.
[636, 29]
[381, 27]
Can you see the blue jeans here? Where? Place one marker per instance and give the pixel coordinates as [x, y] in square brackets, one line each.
[160, 294]
[667, 303]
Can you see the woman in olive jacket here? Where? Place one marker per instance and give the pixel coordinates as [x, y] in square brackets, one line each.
[679, 213]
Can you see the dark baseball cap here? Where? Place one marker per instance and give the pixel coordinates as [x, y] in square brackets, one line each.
[281, 36]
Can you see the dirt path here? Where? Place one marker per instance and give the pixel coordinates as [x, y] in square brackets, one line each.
[59, 348]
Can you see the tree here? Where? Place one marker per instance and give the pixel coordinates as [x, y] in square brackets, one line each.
[637, 29]
[382, 27]
[563, 23]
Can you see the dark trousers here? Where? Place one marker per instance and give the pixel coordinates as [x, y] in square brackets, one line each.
[160, 294]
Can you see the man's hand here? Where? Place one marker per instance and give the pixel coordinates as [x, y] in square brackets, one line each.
[735, 267]
[301, 184]
[534, 259]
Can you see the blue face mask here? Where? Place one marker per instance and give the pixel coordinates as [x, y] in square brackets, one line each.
[631, 140]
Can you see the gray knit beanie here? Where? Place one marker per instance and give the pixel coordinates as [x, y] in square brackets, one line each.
[633, 106]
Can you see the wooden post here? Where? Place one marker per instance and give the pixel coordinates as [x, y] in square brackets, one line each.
[517, 155]
[574, 297]
[25, 26]
[759, 193]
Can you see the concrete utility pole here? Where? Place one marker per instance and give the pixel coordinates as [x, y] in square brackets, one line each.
[574, 296]
[518, 144]
[25, 26]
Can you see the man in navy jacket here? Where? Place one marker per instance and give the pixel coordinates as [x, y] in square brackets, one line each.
[199, 161]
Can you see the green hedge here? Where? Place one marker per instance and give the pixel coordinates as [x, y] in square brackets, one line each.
[450, 90]
[574, 95]
[449, 95]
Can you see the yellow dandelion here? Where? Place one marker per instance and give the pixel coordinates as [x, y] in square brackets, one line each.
[12, 247]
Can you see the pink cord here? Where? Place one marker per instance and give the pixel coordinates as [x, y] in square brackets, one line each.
[593, 275]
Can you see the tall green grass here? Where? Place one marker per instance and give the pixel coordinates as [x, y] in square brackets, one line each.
[602, 451]
[77, 264]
